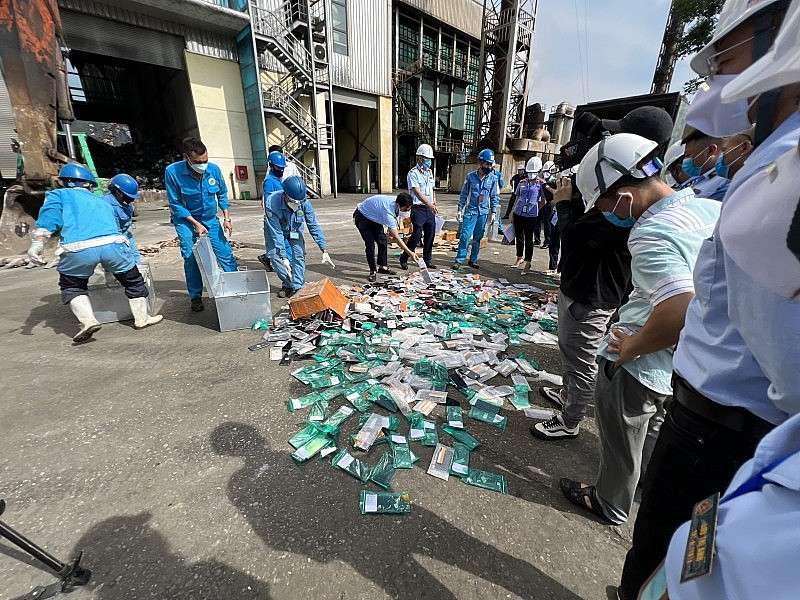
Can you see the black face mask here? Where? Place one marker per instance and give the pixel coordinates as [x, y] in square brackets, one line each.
[277, 172]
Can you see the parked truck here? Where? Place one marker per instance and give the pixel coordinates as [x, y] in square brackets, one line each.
[34, 107]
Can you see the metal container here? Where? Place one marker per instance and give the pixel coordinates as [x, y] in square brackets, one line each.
[241, 297]
[108, 297]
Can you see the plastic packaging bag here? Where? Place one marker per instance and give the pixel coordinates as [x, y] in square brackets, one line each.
[487, 481]
[384, 471]
[340, 416]
[304, 401]
[455, 417]
[460, 465]
[462, 436]
[416, 432]
[304, 435]
[385, 503]
[310, 448]
[319, 410]
[489, 417]
[401, 453]
[440, 462]
[349, 464]
[368, 433]
[431, 436]
[359, 403]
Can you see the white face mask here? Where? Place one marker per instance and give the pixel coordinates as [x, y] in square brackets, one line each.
[404, 214]
[708, 114]
[293, 206]
[199, 167]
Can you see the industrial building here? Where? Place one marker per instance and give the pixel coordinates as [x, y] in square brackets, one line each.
[348, 88]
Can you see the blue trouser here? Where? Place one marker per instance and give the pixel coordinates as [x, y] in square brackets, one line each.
[222, 249]
[75, 268]
[136, 256]
[424, 223]
[297, 259]
[472, 228]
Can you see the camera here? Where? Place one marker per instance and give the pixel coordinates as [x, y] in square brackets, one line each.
[590, 127]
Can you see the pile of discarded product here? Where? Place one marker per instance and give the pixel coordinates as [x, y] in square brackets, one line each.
[420, 350]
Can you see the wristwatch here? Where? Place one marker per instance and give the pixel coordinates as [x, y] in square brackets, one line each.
[226, 220]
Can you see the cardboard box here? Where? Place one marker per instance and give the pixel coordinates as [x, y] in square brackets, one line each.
[316, 297]
[484, 242]
[449, 236]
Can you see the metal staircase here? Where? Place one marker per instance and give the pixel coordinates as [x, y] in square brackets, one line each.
[291, 79]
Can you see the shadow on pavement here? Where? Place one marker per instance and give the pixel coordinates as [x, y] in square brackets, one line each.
[315, 514]
[52, 315]
[130, 560]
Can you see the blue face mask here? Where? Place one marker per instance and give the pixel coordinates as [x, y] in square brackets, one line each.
[721, 168]
[690, 168]
[627, 222]
[427, 163]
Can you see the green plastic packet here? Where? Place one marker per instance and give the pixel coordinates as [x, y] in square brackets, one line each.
[416, 433]
[462, 436]
[439, 372]
[486, 416]
[360, 403]
[431, 436]
[304, 435]
[340, 416]
[423, 367]
[486, 406]
[382, 398]
[311, 447]
[548, 325]
[401, 453]
[487, 481]
[383, 472]
[460, 466]
[326, 380]
[386, 503]
[319, 410]
[350, 464]
[303, 401]
[455, 417]
[520, 397]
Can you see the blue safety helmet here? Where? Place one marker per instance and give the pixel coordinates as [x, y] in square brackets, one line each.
[73, 173]
[486, 155]
[277, 158]
[125, 184]
[295, 188]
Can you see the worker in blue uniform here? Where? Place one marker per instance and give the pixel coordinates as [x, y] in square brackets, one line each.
[90, 235]
[196, 190]
[272, 183]
[423, 212]
[287, 211]
[122, 191]
[479, 198]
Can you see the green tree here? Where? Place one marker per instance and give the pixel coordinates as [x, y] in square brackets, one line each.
[700, 19]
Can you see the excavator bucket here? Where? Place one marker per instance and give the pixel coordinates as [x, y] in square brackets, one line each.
[20, 209]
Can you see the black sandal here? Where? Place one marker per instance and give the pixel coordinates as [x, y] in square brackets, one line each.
[372, 276]
[577, 495]
[386, 271]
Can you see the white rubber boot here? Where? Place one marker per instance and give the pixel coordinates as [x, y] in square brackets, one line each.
[82, 308]
[141, 318]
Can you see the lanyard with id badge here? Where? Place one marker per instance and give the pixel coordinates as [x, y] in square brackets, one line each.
[294, 234]
[700, 546]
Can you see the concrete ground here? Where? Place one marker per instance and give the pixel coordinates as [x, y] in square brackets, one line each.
[162, 454]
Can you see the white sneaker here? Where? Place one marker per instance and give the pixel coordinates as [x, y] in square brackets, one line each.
[554, 429]
[552, 394]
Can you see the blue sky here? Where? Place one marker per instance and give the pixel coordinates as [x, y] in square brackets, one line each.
[623, 38]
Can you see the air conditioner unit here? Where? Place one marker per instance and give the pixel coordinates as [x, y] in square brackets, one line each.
[320, 55]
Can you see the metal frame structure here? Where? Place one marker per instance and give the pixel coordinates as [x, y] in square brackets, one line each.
[506, 44]
[668, 55]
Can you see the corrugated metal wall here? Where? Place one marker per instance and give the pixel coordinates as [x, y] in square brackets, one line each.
[368, 66]
[463, 15]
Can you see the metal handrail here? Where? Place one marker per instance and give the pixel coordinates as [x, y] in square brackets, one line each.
[268, 24]
[276, 97]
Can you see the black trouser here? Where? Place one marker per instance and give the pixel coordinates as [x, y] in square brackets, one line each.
[510, 206]
[555, 243]
[523, 232]
[693, 458]
[72, 287]
[543, 222]
[424, 222]
[372, 233]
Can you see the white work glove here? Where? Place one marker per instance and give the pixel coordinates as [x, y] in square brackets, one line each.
[460, 216]
[287, 264]
[36, 252]
[326, 259]
[494, 217]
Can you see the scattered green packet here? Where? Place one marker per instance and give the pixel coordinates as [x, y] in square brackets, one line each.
[303, 401]
[326, 381]
[489, 417]
[361, 404]
[311, 447]
[384, 503]
[455, 417]
[548, 325]
[460, 466]
[350, 464]
[319, 410]
[382, 398]
[340, 416]
[304, 435]
[462, 436]
[486, 405]
[416, 433]
[487, 481]
[431, 436]
[383, 472]
[401, 453]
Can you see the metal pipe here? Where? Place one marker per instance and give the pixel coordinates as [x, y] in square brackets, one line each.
[37, 552]
[70, 143]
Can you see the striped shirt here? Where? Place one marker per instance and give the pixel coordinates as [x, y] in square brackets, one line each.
[664, 244]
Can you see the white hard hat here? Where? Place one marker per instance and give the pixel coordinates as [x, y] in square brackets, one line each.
[534, 165]
[778, 67]
[521, 167]
[733, 14]
[673, 153]
[548, 166]
[616, 156]
[425, 150]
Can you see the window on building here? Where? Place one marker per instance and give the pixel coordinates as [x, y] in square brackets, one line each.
[408, 49]
[339, 26]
